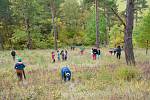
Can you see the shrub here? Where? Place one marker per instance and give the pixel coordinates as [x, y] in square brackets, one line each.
[127, 73]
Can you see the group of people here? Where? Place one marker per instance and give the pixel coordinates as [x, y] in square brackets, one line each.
[95, 53]
[116, 51]
[65, 72]
[63, 54]
[19, 66]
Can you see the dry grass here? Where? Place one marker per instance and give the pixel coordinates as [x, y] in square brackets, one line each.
[103, 79]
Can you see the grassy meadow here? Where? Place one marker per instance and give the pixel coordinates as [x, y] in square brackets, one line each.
[107, 78]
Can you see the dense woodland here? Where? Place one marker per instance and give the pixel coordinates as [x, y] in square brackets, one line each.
[42, 23]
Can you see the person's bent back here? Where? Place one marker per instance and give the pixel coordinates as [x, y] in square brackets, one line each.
[66, 74]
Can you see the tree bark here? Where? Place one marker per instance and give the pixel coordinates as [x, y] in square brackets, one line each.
[53, 23]
[29, 42]
[106, 21]
[97, 24]
[129, 54]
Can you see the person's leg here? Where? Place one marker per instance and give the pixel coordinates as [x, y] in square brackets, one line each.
[53, 60]
[119, 56]
[93, 56]
[64, 77]
[19, 75]
[114, 52]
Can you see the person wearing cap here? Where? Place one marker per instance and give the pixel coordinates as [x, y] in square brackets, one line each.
[66, 74]
[19, 67]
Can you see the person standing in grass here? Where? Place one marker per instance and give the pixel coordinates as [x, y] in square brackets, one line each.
[95, 52]
[19, 67]
[13, 54]
[58, 55]
[66, 54]
[81, 50]
[98, 53]
[118, 50]
[62, 55]
[53, 57]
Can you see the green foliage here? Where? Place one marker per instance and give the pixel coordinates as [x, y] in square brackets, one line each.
[127, 73]
[116, 36]
[142, 31]
[91, 28]
[19, 40]
[74, 19]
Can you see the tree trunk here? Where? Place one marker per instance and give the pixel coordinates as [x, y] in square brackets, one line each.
[106, 21]
[97, 24]
[53, 23]
[129, 54]
[29, 43]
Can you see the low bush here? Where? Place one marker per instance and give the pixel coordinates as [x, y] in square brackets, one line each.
[126, 73]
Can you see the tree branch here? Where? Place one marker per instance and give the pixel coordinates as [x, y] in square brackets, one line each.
[118, 17]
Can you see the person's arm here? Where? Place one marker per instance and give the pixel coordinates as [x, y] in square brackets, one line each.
[23, 65]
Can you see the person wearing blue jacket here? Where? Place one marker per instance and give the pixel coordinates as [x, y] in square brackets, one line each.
[19, 67]
[66, 74]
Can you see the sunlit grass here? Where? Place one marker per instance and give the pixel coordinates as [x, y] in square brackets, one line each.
[103, 79]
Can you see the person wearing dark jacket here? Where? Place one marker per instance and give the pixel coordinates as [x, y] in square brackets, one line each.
[98, 53]
[118, 51]
[66, 55]
[65, 74]
[19, 67]
[62, 55]
[94, 52]
[13, 54]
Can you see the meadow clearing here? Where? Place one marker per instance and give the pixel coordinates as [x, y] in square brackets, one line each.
[107, 78]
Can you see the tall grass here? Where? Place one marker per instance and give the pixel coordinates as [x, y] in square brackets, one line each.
[104, 79]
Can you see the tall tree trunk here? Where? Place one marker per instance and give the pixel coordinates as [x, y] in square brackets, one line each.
[97, 24]
[129, 54]
[106, 21]
[53, 23]
[29, 42]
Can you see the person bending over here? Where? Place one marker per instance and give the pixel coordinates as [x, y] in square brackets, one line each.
[65, 74]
